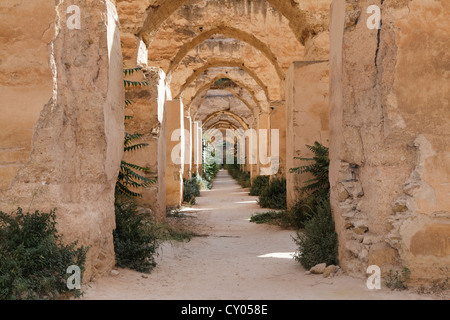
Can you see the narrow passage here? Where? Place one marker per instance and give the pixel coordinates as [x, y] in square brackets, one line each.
[235, 259]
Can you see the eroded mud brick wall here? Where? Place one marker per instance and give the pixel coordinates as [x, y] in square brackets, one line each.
[390, 136]
[308, 109]
[62, 117]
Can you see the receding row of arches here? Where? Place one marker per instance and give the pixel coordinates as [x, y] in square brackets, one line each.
[311, 70]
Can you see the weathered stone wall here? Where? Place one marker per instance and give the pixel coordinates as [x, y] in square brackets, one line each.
[389, 137]
[307, 118]
[26, 80]
[147, 119]
[69, 85]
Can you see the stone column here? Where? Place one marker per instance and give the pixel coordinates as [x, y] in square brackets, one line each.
[193, 146]
[188, 149]
[389, 137]
[263, 164]
[77, 137]
[307, 118]
[198, 147]
[146, 120]
[174, 153]
[278, 122]
[253, 152]
[162, 147]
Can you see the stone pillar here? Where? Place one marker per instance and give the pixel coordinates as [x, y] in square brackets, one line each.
[247, 165]
[198, 147]
[307, 118]
[278, 122]
[263, 164]
[193, 146]
[188, 149]
[162, 147]
[174, 153]
[389, 138]
[253, 151]
[77, 137]
[146, 120]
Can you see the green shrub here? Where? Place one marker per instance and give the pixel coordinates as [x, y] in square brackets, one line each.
[33, 258]
[397, 280]
[304, 209]
[210, 170]
[203, 183]
[191, 190]
[318, 243]
[135, 238]
[266, 217]
[319, 184]
[279, 218]
[315, 189]
[274, 195]
[284, 219]
[259, 183]
[243, 178]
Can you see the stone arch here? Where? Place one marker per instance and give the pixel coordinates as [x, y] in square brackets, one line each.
[222, 124]
[218, 100]
[184, 24]
[237, 75]
[229, 32]
[301, 22]
[227, 113]
[196, 101]
[232, 51]
[178, 88]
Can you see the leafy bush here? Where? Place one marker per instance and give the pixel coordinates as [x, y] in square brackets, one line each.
[303, 210]
[135, 238]
[319, 185]
[397, 280]
[316, 188]
[284, 218]
[318, 243]
[210, 170]
[191, 190]
[265, 217]
[243, 178]
[279, 218]
[259, 183]
[274, 195]
[203, 183]
[33, 258]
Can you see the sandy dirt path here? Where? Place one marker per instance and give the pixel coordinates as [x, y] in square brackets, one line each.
[236, 260]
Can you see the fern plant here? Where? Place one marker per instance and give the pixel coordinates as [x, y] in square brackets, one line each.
[319, 184]
[132, 176]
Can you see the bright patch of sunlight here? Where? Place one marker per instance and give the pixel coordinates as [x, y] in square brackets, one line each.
[280, 255]
[190, 209]
[250, 201]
